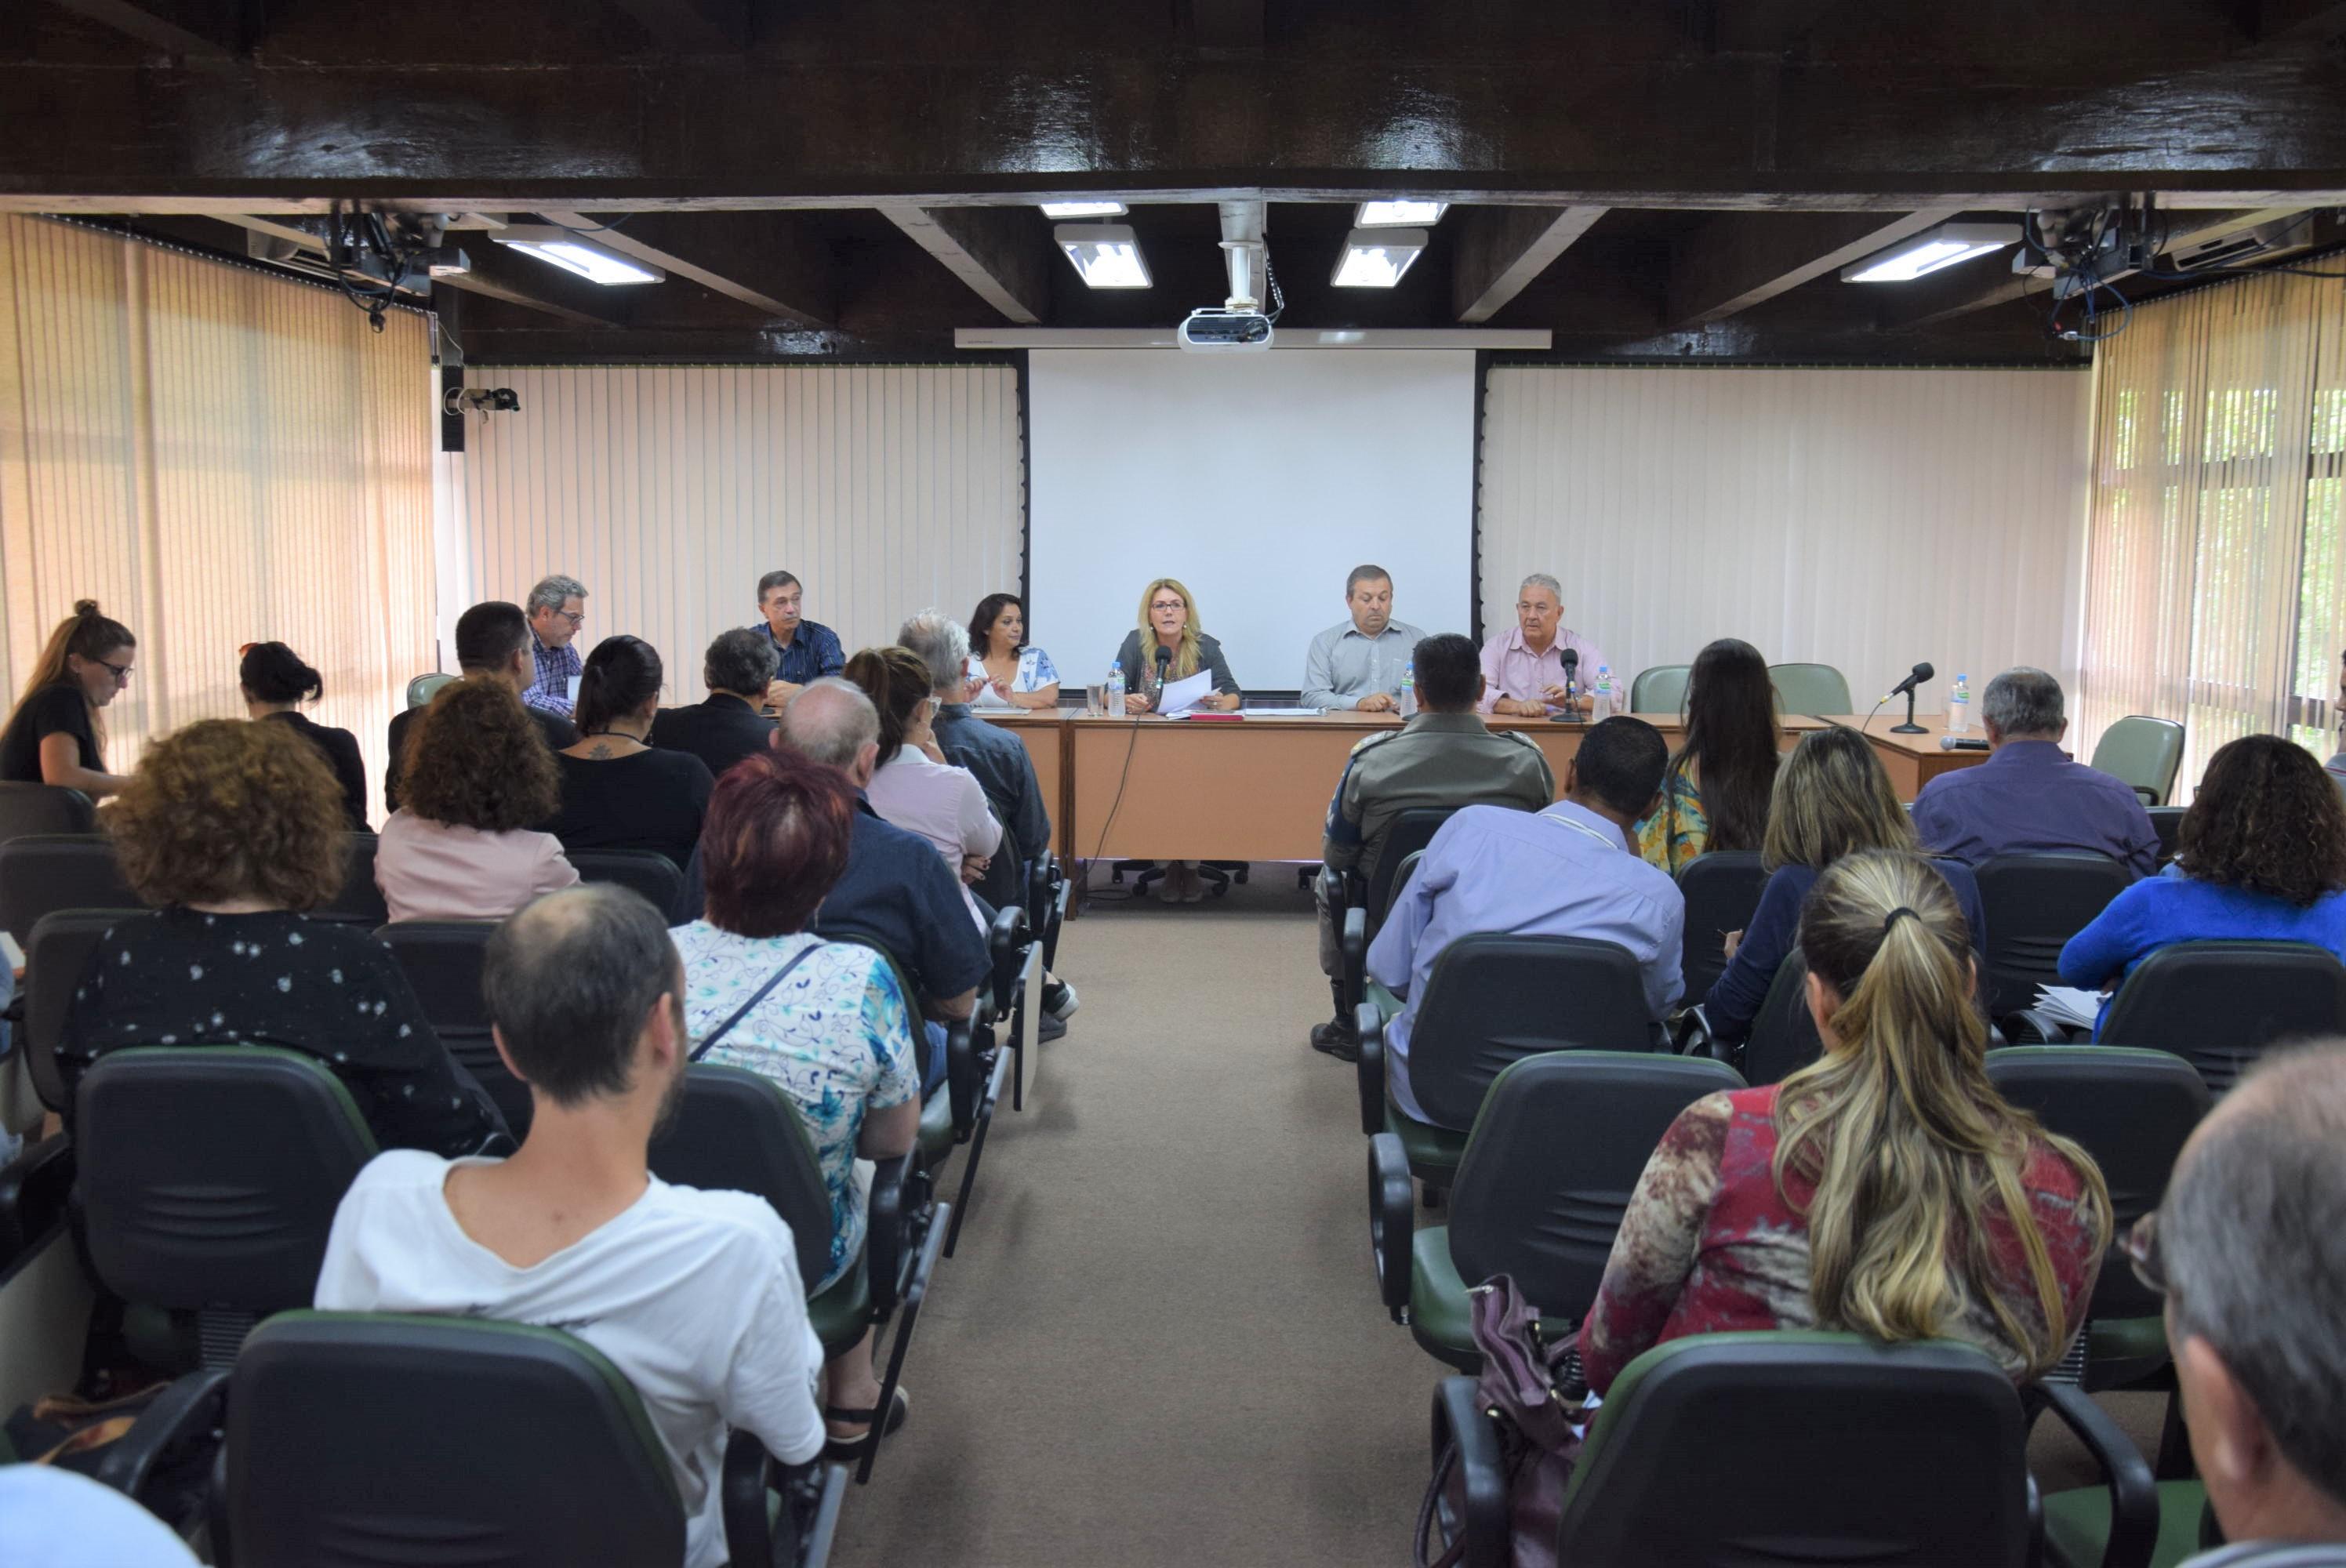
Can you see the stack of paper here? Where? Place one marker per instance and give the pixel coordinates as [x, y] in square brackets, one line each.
[1283, 712]
[2069, 1004]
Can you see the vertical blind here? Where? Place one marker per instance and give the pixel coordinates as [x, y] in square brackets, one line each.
[1866, 519]
[218, 458]
[2217, 546]
[668, 491]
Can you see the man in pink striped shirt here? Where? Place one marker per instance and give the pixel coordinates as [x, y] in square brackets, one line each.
[1523, 667]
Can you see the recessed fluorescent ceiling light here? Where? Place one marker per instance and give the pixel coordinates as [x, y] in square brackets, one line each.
[1083, 209]
[1107, 255]
[560, 248]
[1376, 258]
[1399, 214]
[1929, 250]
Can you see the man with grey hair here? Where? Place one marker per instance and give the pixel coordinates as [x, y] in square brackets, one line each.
[1358, 665]
[2029, 796]
[2248, 1248]
[557, 608]
[998, 759]
[895, 890]
[1523, 667]
[726, 726]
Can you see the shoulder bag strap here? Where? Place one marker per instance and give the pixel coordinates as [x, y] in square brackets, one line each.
[759, 995]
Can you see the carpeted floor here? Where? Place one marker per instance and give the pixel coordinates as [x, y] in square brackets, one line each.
[1160, 1342]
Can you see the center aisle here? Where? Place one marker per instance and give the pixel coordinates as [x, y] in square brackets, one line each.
[1160, 1342]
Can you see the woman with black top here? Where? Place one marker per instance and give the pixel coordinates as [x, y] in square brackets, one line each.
[618, 792]
[276, 683]
[234, 829]
[56, 736]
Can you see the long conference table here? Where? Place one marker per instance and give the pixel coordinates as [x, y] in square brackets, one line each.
[1257, 788]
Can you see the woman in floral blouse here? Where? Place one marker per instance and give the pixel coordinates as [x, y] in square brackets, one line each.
[1714, 795]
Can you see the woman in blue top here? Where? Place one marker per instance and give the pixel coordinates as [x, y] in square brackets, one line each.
[2261, 856]
[1832, 797]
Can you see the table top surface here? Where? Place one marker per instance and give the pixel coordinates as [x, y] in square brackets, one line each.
[1934, 729]
[1792, 723]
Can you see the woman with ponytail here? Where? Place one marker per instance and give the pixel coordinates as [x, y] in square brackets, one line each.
[57, 736]
[618, 790]
[276, 683]
[1886, 1188]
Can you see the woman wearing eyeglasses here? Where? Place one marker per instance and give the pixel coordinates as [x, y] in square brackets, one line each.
[56, 736]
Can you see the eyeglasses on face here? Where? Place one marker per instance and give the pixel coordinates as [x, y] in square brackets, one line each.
[121, 671]
[2141, 1247]
[1167, 604]
[575, 617]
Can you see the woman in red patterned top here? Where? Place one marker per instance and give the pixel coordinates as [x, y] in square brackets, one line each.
[1887, 1189]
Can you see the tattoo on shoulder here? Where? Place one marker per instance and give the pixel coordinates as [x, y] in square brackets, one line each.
[602, 749]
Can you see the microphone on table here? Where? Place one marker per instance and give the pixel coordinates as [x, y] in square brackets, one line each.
[1571, 680]
[1163, 660]
[1914, 677]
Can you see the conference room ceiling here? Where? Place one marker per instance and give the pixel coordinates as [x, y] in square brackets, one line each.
[1647, 179]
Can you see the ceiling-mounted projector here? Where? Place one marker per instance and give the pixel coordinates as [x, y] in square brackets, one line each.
[1215, 329]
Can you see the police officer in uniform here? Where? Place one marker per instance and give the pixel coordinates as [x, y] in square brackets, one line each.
[1444, 758]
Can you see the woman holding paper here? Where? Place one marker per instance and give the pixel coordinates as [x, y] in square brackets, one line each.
[1167, 647]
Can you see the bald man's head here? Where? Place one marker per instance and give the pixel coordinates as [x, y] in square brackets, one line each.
[570, 983]
[831, 721]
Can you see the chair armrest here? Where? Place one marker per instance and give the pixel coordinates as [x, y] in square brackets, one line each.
[1392, 1210]
[33, 1190]
[1369, 1025]
[1691, 1036]
[966, 1067]
[1006, 940]
[2134, 1494]
[1458, 1418]
[884, 1232]
[194, 1404]
[1353, 946]
[2031, 1026]
[749, 1537]
[815, 1502]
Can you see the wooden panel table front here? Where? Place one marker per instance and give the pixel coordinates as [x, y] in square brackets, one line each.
[1044, 732]
[1914, 760]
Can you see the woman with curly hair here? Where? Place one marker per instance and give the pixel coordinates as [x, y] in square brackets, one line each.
[234, 830]
[475, 784]
[2261, 856]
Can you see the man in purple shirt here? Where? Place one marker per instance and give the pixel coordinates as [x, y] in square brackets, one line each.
[1523, 667]
[1568, 871]
[2027, 796]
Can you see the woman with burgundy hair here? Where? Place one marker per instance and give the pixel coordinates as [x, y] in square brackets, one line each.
[825, 1021]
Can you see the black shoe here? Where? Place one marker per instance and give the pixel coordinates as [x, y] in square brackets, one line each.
[1338, 1039]
[1047, 1027]
[1059, 999]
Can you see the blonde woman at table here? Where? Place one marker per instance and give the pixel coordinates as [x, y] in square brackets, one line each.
[1005, 671]
[1169, 644]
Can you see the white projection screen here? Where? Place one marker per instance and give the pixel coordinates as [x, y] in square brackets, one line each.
[1259, 480]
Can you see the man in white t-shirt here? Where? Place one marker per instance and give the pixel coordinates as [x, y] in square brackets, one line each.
[695, 1296]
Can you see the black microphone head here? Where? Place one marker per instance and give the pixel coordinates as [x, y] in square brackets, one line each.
[1164, 657]
[1572, 658]
[1923, 671]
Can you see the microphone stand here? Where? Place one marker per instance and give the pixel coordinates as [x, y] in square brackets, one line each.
[1909, 726]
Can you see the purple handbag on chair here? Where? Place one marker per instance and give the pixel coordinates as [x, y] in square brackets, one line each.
[1538, 1412]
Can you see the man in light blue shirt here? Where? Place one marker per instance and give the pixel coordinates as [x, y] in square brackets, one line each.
[1569, 870]
[1358, 665]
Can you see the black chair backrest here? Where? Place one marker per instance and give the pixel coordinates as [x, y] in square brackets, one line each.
[1722, 891]
[2131, 1110]
[647, 872]
[210, 1174]
[1784, 1035]
[442, 960]
[1873, 1454]
[2217, 1005]
[2167, 821]
[2034, 903]
[40, 872]
[43, 808]
[738, 1132]
[1493, 999]
[376, 1440]
[1549, 1167]
[1411, 832]
[56, 959]
[361, 901]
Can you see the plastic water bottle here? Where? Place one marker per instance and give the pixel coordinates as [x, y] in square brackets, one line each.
[1116, 690]
[1959, 705]
[1408, 697]
[1602, 708]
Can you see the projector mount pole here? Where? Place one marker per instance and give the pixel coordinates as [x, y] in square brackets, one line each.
[1242, 251]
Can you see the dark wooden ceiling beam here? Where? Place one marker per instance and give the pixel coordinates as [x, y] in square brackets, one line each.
[1220, 24]
[1001, 252]
[758, 259]
[2286, 20]
[1502, 249]
[692, 26]
[1738, 261]
[203, 32]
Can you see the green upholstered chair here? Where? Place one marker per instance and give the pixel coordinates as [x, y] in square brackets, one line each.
[2032, 905]
[1660, 688]
[2077, 1528]
[2142, 753]
[740, 1132]
[1492, 999]
[1722, 891]
[424, 687]
[1548, 1169]
[1810, 689]
[1358, 903]
[2218, 1004]
[1794, 1447]
[341, 1448]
